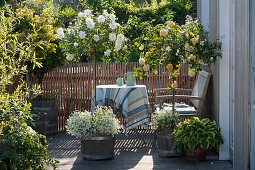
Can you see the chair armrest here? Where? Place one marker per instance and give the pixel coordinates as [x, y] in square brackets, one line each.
[180, 97]
[176, 89]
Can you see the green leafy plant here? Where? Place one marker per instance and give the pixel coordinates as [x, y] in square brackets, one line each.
[195, 132]
[20, 146]
[164, 121]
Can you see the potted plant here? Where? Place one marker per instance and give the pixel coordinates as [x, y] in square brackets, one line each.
[96, 132]
[196, 136]
[164, 122]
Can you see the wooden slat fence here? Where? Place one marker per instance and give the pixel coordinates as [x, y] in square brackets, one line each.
[72, 84]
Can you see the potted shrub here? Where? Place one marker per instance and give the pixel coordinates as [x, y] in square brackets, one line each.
[196, 137]
[164, 122]
[96, 132]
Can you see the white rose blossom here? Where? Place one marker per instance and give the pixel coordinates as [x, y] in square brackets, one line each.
[60, 33]
[82, 35]
[80, 14]
[112, 17]
[90, 23]
[105, 13]
[107, 52]
[112, 25]
[96, 38]
[75, 44]
[112, 37]
[69, 56]
[168, 48]
[101, 19]
[87, 13]
[118, 44]
[120, 36]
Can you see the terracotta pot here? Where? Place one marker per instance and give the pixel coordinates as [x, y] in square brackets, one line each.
[197, 154]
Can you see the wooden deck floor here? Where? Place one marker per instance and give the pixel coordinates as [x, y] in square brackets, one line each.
[130, 153]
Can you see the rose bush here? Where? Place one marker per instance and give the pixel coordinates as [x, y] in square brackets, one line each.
[172, 45]
[93, 34]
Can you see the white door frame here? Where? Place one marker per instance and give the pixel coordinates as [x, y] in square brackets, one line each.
[252, 84]
[224, 76]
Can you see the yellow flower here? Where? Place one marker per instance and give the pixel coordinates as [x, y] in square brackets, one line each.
[146, 67]
[147, 54]
[141, 47]
[192, 73]
[174, 85]
[187, 46]
[163, 32]
[169, 67]
[170, 24]
[176, 74]
[194, 41]
[192, 35]
[187, 35]
[201, 61]
[141, 61]
[191, 57]
[146, 74]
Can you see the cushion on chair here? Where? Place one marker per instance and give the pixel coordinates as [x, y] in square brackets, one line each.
[180, 108]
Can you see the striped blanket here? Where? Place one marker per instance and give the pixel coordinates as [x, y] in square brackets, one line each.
[130, 101]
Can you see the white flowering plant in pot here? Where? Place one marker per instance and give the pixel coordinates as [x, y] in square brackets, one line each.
[85, 125]
[164, 121]
[92, 34]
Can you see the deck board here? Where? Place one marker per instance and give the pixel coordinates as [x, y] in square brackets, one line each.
[130, 153]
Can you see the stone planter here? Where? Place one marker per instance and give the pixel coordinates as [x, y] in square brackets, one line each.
[164, 146]
[40, 125]
[51, 108]
[197, 154]
[98, 148]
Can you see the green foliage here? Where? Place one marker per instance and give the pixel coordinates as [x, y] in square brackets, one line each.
[163, 121]
[20, 146]
[34, 23]
[193, 132]
[137, 16]
[156, 11]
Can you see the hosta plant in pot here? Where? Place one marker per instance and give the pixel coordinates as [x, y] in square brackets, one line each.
[96, 132]
[196, 136]
[164, 122]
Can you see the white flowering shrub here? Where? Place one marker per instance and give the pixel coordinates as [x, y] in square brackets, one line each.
[93, 34]
[80, 124]
[105, 121]
[163, 120]
[85, 125]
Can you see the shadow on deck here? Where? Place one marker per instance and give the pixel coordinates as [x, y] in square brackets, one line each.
[130, 153]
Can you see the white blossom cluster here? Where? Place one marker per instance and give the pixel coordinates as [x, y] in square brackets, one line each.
[80, 125]
[105, 121]
[88, 27]
[85, 125]
[164, 119]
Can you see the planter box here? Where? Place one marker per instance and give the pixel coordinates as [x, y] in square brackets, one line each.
[98, 148]
[164, 146]
[51, 108]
